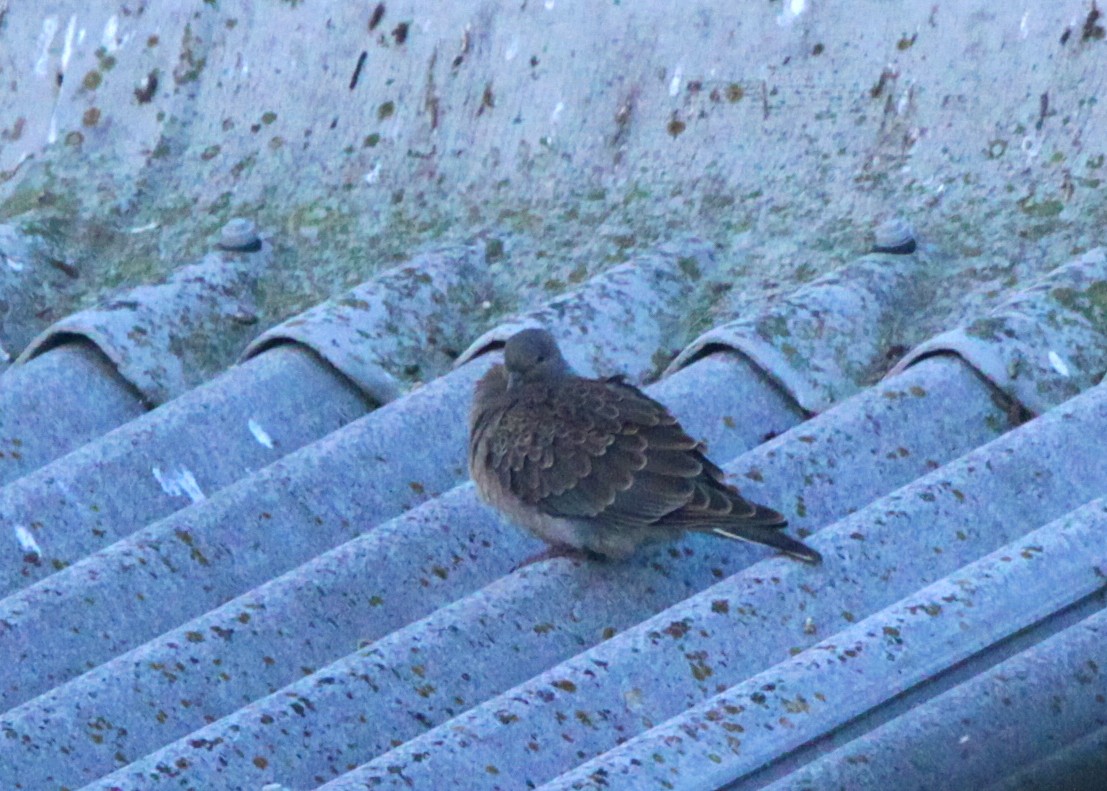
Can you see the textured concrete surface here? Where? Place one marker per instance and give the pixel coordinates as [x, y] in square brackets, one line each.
[132, 134]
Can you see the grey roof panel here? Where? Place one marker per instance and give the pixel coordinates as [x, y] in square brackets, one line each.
[248, 532]
[728, 403]
[1080, 765]
[166, 459]
[731, 735]
[929, 528]
[605, 324]
[406, 324]
[418, 565]
[827, 339]
[882, 438]
[534, 618]
[167, 338]
[86, 397]
[1018, 711]
[1045, 343]
[257, 643]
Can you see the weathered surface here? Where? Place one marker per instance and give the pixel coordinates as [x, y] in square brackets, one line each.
[1043, 344]
[405, 325]
[608, 322]
[130, 134]
[826, 340]
[168, 337]
[567, 145]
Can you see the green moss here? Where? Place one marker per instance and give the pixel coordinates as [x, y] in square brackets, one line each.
[1046, 208]
[244, 165]
[1090, 302]
[690, 267]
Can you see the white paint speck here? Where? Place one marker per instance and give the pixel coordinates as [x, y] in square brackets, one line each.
[964, 739]
[110, 39]
[512, 50]
[179, 482]
[549, 5]
[374, 175]
[67, 49]
[45, 39]
[1031, 146]
[27, 541]
[791, 10]
[556, 112]
[633, 698]
[674, 83]
[259, 433]
[150, 226]
[904, 100]
[1058, 364]
[14, 264]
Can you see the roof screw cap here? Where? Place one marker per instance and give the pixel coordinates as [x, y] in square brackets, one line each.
[239, 235]
[895, 236]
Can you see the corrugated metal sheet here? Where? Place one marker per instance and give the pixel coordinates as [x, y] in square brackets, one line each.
[826, 340]
[162, 462]
[280, 574]
[405, 325]
[88, 398]
[487, 653]
[628, 319]
[166, 338]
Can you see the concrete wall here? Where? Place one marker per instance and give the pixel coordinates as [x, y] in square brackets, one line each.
[568, 134]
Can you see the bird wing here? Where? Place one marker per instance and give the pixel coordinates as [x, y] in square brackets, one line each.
[595, 449]
[603, 451]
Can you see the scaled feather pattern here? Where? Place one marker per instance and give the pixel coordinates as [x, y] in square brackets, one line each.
[596, 464]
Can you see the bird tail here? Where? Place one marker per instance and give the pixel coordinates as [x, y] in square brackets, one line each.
[773, 536]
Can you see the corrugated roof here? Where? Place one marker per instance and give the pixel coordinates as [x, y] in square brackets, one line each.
[247, 661]
[242, 548]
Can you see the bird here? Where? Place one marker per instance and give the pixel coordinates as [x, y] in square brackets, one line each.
[596, 466]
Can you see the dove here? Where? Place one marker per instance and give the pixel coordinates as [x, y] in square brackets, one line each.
[596, 466]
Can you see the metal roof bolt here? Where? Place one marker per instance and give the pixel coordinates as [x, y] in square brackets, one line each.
[239, 235]
[895, 236]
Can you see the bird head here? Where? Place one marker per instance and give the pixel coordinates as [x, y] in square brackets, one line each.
[532, 356]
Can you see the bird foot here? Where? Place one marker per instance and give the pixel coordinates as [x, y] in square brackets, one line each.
[555, 551]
